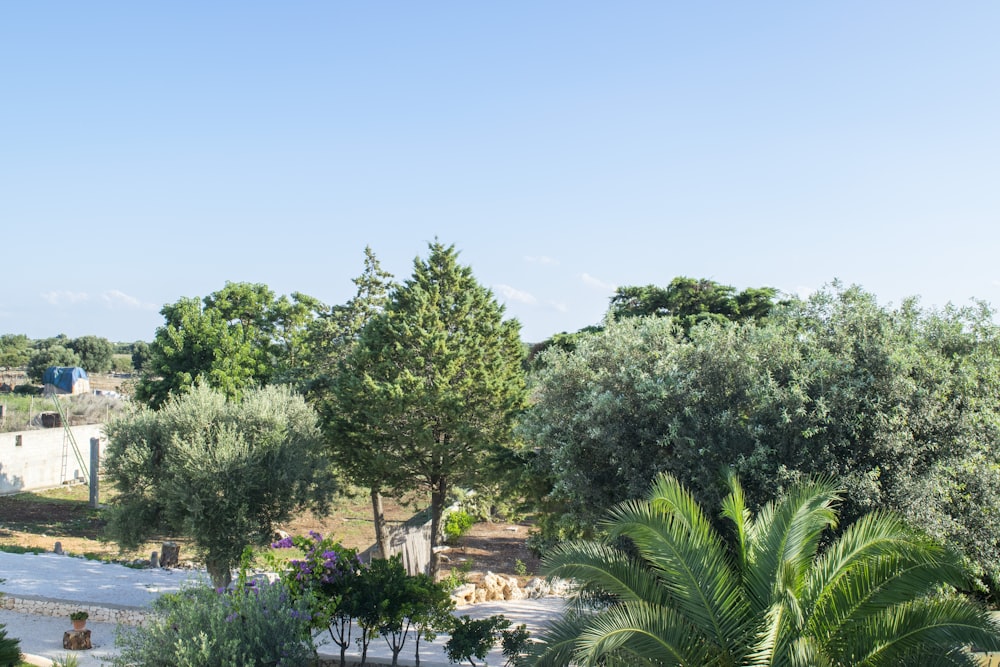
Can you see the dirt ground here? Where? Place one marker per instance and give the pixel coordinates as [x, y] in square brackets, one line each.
[487, 547]
[40, 519]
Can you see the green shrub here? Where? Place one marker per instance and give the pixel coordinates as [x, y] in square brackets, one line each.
[255, 624]
[10, 648]
[18, 549]
[457, 524]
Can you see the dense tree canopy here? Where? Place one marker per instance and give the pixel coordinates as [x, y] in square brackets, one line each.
[897, 404]
[235, 338]
[95, 353]
[671, 589]
[690, 301]
[50, 352]
[223, 472]
[432, 386]
[15, 350]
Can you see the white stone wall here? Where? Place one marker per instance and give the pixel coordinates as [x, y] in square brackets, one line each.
[36, 463]
[48, 607]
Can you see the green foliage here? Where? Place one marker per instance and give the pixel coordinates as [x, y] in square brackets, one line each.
[79, 616]
[515, 645]
[95, 353]
[457, 576]
[334, 332]
[68, 660]
[520, 569]
[474, 638]
[377, 599]
[690, 302]
[256, 624]
[10, 648]
[222, 472]
[121, 363]
[235, 338]
[456, 524]
[141, 355]
[15, 350]
[50, 352]
[665, 587]
[18, 549]
[897, 404]
[28, 389]
[430, 391]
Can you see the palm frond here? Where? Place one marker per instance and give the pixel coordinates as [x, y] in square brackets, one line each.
[603, 568]
[787, 533]
[877, 563]
[735, 509]
[674, 537]
[644, 633]
[919, 630]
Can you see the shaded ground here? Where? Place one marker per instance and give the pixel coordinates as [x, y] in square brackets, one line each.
[38, 520]
[494, 547]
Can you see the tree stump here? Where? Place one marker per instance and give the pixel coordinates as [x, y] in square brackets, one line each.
[76, 640]
[169, 554]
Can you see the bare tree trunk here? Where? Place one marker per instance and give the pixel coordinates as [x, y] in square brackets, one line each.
[439, 495]
[381, 536]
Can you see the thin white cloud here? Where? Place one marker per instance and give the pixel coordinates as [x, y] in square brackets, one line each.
[60, 297]
[541, 259]
[559, 306]
[596, 283]
[118, 299]
[511, 294]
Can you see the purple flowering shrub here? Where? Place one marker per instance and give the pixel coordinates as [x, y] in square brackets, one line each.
[326, 579]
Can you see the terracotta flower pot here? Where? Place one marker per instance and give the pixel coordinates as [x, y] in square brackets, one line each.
[80, 625]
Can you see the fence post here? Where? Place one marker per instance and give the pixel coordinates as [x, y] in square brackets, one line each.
[95, 462]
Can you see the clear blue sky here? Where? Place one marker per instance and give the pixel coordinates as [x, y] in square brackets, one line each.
[150, 151]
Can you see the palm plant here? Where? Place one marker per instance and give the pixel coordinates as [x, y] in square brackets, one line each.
[665, 587]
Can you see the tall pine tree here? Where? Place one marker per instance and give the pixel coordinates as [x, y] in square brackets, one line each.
[433, 386]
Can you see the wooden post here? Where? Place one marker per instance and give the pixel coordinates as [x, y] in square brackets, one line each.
[95, 462]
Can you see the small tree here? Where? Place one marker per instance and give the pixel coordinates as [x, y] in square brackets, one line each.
[474, 637]
[378, 598]
[223, 472]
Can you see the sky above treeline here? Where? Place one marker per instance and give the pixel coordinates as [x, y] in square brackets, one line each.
[153, 151]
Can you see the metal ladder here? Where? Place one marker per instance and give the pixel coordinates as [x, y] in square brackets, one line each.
[69, 440]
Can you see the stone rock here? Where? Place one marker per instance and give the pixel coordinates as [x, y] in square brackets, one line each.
[169, 554]
[498, 587]
[539, 588]
[76, 640]
[57, 549]
[464, 594]
[154, 560]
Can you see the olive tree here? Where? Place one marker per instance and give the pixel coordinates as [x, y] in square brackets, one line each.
[895, 403]
[221, 471]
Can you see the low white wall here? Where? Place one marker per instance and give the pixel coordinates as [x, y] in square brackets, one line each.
[36, 463]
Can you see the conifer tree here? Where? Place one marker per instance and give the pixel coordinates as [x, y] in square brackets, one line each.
[433, 385]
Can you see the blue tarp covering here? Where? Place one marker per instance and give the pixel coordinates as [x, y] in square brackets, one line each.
[63, 377]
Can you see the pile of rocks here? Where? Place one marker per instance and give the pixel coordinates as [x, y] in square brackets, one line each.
[495, 587]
